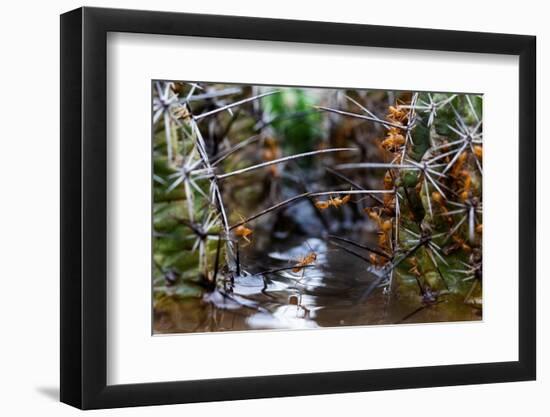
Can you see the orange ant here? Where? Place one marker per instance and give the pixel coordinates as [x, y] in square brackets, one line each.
[438, 198]
[333, 201]
[271, 152]
[243, 231]
[384, 233]
[384, 226]
[457, 168]
[306, 260]
[458, 243]
[389, 198]
[310, 258]
[394, 140]
[375, 260]
[478, 151]
[322, 205]
[462, 243]
[337, 202]
[415, 269]
[465, 194]
[396, 114]
[372, 214]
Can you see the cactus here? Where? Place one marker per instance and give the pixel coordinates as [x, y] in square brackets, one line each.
[190, 219]
[222, 165]
[431, 226]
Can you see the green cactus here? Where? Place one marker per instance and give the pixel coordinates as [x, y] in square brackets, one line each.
[216, 153]
[440, 165]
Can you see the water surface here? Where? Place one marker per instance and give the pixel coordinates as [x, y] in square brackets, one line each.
[329, 293]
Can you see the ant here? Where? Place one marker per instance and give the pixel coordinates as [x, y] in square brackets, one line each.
[457, 168]
[397, 114]
[303, 261]
[243, 231]
[335, 202]
[466, 190]
[458, 243]
[394, 140]
[384, 230]
[271, 152]
[478, 151]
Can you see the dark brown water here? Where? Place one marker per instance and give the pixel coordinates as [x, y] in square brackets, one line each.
[328, 294]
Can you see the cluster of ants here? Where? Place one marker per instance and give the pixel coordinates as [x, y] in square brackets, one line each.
[432, 186]
[456, 178]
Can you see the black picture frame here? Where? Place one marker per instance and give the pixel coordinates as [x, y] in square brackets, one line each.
[84, 207]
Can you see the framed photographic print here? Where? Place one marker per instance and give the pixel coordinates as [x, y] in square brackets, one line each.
[258, 208]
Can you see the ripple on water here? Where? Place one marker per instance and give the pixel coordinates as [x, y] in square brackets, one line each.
[326, 294]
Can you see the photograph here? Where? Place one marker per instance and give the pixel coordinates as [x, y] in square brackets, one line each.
[290, 207]
[244, 208]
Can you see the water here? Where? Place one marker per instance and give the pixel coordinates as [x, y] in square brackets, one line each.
[326, 294]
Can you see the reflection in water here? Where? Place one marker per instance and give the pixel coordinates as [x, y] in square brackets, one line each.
[328, 293]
